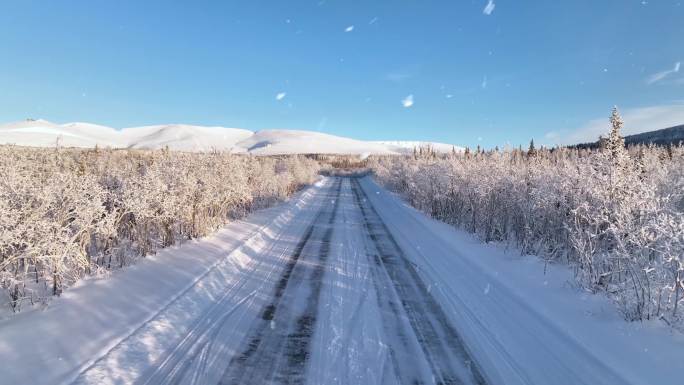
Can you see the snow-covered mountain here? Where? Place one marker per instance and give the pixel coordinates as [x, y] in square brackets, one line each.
[184, 137]
[41, 133]
[269, 142]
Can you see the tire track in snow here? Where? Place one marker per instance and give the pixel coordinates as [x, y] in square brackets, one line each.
[98, 369]
[279, 353]
[349, 344]
[192, 357]
[441, 345]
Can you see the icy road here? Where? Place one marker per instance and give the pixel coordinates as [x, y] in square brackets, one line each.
[343, 285]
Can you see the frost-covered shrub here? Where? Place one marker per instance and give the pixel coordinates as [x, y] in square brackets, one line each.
[616, 216]
[67, 213]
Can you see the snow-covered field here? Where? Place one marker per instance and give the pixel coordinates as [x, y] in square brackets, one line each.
[344, 284]
[181, 137]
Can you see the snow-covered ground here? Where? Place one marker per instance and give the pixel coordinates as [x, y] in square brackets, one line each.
[344, 284]
[182, 137]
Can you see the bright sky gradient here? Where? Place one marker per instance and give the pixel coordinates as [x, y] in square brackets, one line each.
[465, 72]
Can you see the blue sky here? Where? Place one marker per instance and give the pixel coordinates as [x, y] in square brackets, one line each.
[542, 69]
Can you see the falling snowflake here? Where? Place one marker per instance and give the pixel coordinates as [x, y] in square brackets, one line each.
[487, 288]
[484, 82]
[489, 8]
[407, 102]
[349, 29]
[280, 95]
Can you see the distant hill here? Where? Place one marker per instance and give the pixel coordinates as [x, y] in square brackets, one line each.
[673, 135]
[181, 137]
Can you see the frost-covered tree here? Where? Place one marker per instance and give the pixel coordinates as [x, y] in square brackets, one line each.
[615, 214]
[68, 213]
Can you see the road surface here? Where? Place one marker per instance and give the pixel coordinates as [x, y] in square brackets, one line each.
[339, 294]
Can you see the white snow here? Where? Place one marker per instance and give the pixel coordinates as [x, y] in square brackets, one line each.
[180, 316]
[148, 305]
[42, 133]
[489, 8]
[407, 101]
[529, 325]
[183, 137]
[268, 142]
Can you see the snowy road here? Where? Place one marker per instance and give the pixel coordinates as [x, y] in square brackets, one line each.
[338, 303]
[343, 285]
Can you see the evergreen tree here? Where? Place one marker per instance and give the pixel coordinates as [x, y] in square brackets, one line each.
[531, 151]
[615, 143]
